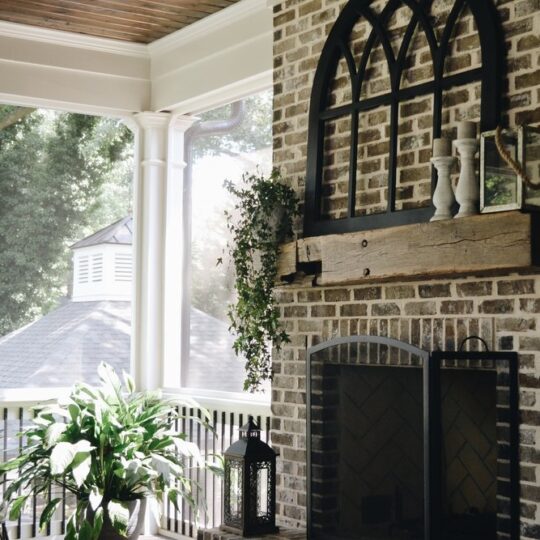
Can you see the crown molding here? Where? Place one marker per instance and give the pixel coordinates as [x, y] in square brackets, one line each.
[225, 94]
[71, 39]
[59, 105]
[211, 23]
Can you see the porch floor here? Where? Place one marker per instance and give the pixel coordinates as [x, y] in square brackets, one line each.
[283, 534]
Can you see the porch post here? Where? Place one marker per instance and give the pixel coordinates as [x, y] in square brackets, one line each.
[157, 246]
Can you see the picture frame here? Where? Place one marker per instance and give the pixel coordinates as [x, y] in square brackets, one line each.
[529, 143]
[501, 189]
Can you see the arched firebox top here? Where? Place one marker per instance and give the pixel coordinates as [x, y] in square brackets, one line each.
[376, 340]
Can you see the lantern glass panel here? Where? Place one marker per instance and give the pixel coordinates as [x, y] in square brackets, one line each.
[234, 493]
[263, 487]
[500, 185]
[531, 157]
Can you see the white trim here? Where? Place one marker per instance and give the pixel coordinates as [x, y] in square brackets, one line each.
[72, 39]
[169, 534]
[228, 402]
[81, 70]
[232, 45]
[15, 397]
[58, 105]
[217, 54]
[227, 94]
[255, 404]
[206, 26]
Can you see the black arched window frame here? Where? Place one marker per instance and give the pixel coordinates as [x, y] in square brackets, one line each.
[490, 75]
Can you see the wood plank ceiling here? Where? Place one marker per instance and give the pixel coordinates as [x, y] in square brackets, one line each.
[138, 21]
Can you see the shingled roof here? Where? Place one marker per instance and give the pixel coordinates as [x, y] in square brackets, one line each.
[120, 232]
[67, 345]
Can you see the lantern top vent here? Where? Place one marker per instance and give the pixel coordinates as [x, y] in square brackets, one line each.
[250, 447]
[250, 430]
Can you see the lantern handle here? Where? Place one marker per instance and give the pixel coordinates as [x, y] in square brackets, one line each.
[474, 337]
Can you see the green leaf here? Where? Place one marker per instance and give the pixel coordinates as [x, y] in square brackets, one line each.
[80, 467]
[17, 507]
[129, 382]
[98, 523]
[74, 411]
[48, 512]
[71, 529]
[86, 532]
[119, 515]
[53, 434]
[95, 498]
[61, 457]
[110, 380]
[174, 495]
[11, 464]
[83, 446]
[55, 409]
[63, 454]
[189, 449]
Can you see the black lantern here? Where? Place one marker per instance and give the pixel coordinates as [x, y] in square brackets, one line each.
[250, 484]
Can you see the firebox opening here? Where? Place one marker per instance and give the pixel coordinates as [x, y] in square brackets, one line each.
[369, 442]
[379, 423]
[469, 454]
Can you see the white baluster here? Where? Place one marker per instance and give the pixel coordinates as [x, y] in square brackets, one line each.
[468, 188]
[443, 197]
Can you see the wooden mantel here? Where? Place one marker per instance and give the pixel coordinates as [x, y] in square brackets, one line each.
[485, 243]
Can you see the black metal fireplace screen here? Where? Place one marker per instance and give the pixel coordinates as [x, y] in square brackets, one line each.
[413, 445]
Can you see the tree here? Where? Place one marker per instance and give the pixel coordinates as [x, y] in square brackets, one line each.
[253, 133]
[55, 171]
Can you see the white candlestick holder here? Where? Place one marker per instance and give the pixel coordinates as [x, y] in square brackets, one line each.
[468, 188]
[443, 196]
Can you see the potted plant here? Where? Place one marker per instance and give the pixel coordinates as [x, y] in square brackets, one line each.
[262, 219]
[112, 447]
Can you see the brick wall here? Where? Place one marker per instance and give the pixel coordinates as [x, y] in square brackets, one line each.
[301, 27]
[427, 314]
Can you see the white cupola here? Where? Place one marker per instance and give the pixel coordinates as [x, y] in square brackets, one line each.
[102, 264]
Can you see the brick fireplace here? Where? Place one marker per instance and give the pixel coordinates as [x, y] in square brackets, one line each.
[430, 312]
[401, 442]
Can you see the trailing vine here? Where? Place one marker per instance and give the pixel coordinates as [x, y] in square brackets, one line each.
[262, 219]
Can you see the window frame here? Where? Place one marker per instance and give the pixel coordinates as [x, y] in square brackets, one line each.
[242, 91]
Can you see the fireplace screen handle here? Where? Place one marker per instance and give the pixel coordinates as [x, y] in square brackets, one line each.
[474, 337]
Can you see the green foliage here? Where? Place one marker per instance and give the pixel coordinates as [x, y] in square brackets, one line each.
[56, 173]
[248, 143]
[500, 190]
[107, 445]
[263, 219]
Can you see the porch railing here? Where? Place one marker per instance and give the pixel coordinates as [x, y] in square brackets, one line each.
[228, 413]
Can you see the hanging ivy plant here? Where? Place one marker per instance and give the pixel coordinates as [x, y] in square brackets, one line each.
[262, 219]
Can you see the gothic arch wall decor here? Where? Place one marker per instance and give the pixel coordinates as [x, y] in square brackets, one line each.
[325, 115]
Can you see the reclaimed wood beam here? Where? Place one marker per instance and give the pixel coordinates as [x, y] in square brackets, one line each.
[485, 243]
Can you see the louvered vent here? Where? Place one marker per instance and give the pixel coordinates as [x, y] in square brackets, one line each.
[122, 267]
[97, 268]
[83, 270]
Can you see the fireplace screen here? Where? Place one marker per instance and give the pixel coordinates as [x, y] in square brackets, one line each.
[407, 445]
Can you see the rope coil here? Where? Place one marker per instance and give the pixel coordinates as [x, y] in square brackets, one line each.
[517, 167]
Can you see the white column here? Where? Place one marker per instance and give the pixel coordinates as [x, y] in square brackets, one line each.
[175, 251]
[157, 248]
